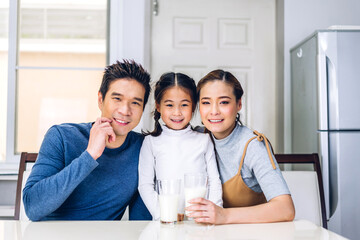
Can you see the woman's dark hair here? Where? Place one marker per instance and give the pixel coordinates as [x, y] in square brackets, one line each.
[126, 69]
[223, 76]
[167, 81]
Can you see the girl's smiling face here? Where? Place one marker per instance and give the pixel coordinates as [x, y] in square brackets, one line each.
[218, 108]
[175, 108]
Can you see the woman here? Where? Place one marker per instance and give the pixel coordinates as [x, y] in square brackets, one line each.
[254, 190]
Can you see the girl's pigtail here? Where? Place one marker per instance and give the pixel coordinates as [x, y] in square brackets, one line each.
[157, 131]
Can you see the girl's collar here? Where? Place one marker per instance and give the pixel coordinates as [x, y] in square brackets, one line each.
[170, 131]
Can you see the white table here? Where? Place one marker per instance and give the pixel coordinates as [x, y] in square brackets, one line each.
[148, 230]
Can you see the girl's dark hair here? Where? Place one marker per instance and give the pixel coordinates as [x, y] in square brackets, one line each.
[167, 81]
[226, 77]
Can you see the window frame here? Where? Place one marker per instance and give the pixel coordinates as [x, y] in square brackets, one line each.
[120, 35]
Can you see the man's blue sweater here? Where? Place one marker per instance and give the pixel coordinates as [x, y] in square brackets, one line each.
[66, 183]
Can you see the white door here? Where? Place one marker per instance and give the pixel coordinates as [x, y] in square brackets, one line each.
[197, 36]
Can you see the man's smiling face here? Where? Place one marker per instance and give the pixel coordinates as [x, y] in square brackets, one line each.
[123, 104]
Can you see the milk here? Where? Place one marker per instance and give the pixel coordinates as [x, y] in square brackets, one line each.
[193, 192]
[168, 207]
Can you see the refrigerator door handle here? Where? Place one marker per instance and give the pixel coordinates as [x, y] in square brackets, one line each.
[328, 107]
[332, 95]
[333, 172]
[322, 85]
[325, 162]
[333, 143]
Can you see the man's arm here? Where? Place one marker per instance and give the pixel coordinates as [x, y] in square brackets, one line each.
[50, 182]
[138, 210]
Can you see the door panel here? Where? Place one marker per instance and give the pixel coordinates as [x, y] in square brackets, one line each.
[198, 36]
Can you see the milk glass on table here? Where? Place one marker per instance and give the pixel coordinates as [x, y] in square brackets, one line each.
[194, 187]
[169, 194]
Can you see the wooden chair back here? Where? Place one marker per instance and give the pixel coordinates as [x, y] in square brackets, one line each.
[308, 159]
[24, 159]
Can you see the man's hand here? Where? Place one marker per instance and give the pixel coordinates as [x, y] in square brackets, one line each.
[100, 132]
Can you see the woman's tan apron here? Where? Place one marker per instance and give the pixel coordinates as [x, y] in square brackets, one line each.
[235, 191]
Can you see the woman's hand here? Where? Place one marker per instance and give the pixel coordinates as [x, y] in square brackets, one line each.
[278, 209]
[205, 211]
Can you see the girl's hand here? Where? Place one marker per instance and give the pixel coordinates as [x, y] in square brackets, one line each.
[205, 211]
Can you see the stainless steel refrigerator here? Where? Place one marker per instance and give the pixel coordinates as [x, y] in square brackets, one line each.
[325, 95]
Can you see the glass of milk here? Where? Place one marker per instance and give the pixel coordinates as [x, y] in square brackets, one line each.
[169, 193]
[194, 187]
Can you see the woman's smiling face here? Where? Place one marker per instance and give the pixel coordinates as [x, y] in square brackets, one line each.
[218, 108]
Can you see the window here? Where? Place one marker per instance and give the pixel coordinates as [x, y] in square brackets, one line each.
[4, 23]
[61, 49]
[52, 68]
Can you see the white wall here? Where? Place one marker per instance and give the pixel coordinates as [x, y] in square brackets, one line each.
[301, 19]
[130, 35]
[130, 31]
[280, 73]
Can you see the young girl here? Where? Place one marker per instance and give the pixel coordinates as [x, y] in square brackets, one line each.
[253, 187]
[174, 149]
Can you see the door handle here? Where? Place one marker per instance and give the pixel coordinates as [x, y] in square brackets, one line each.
[155, 7]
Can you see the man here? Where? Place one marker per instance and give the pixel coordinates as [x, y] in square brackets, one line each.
[89, 171]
